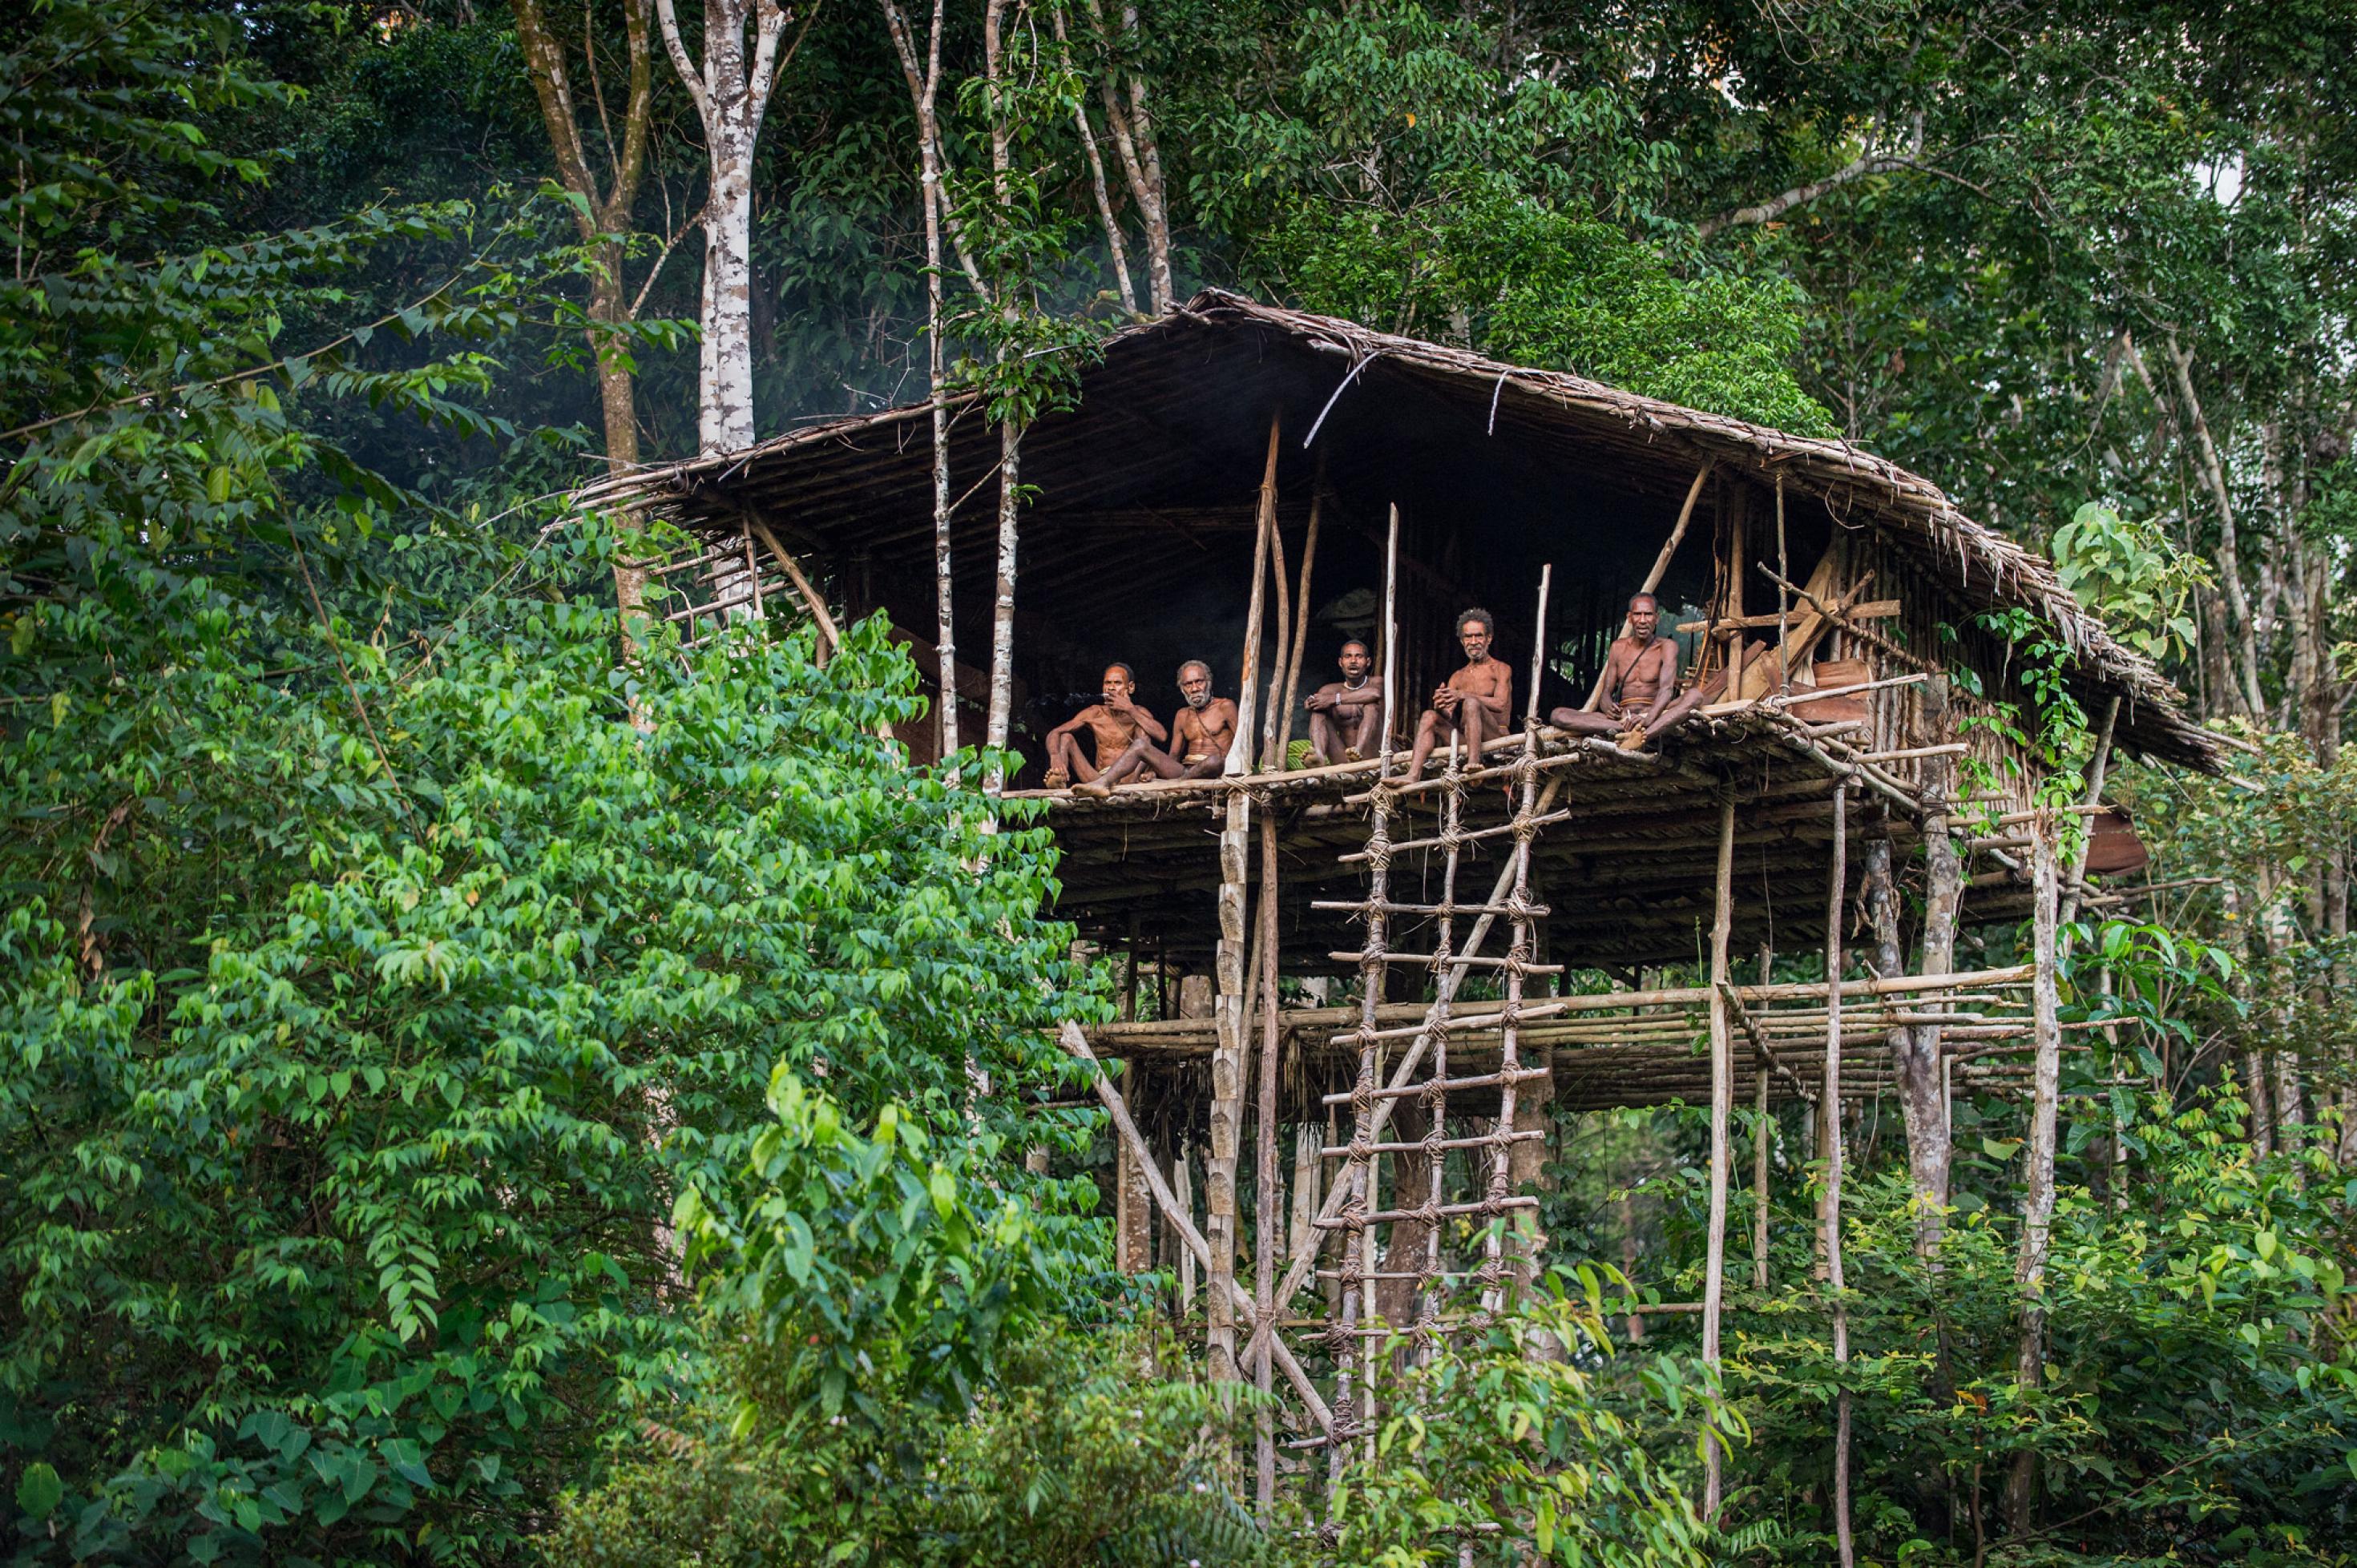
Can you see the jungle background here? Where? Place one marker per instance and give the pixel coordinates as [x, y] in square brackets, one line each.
[482, 1086]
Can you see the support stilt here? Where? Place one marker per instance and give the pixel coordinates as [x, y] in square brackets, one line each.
[1830, 1242]
[1234, 1030]
[1265, 1228]
[1722, 1105]
[2037, 1162]
[1760, 1128]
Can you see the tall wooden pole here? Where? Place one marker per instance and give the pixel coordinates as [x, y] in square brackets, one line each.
[1231, 1025]
[1301, 620]
[2038, 1166]
[1760, 1148]
[1354, 1195]
[1722, 1105]
[1836, 887]
[1268, 1234]
[1269, 757]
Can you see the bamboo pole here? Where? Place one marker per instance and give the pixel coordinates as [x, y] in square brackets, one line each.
[1835, 889]
[1722, 1095]
[1269, 759]
[1660, 569]
[1301, 620]
[1435, 1136]
[1351, 1196]
[2074, 885]
[829, 637]
[2038, 1169]
[1519, 954]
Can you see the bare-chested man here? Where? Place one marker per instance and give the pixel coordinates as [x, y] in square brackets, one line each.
[1478, 703]
[1344, 714]
[1114, 722]
[1640, 684]
[1200, 737]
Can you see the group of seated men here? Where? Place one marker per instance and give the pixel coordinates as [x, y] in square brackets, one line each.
[1639, 697]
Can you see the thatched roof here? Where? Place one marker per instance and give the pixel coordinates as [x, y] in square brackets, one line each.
[1148, 429]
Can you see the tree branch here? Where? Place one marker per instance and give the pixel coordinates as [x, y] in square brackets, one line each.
[688, 74]
[1868, 162]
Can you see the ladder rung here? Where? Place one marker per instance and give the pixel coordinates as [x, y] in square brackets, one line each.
[1487, 1140]
[1363, 904]
[718, 606]
[1443, 1211]
[1446, 1085]
[1404, 1274]
[1474, 1024]
[1407, 844]
[1452, 960]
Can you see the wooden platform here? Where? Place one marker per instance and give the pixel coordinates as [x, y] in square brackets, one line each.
[1625, 865]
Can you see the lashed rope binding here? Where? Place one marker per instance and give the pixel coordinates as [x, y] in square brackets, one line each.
[1354, 1338]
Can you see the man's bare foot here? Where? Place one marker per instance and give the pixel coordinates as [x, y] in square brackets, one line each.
[1313, 759]
[1097, 788]
[1350, 754]
[1632, 738]
[1057, 779]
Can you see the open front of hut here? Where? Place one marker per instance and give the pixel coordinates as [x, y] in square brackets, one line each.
[1350, 1000]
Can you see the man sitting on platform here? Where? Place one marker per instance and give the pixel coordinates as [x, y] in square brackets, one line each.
[1344, 714]
[1116, 722]
[1201, 737]
[1639, 694]
[1477, 703]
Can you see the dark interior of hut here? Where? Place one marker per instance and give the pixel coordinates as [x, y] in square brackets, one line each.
[1138, 545]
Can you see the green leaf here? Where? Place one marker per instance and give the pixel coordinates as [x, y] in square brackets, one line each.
[38, 1491]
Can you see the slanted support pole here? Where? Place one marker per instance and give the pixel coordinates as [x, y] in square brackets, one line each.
[1174, 1210]
[1722, 1105]
[2074, 885]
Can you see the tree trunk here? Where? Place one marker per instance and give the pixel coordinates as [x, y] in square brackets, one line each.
[924, 96]
[1122, 93]
[2230, 568]
[731, 92]
[599, 215]
[1923, 1104]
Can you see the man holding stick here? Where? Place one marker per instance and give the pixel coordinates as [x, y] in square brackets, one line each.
[1639, 693]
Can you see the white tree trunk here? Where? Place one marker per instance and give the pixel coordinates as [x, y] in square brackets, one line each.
[731, 92]
[724, 373]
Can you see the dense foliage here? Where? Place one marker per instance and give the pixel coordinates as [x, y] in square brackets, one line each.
[468, 1075]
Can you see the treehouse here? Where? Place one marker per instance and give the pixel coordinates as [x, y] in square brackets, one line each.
[1388, 982]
